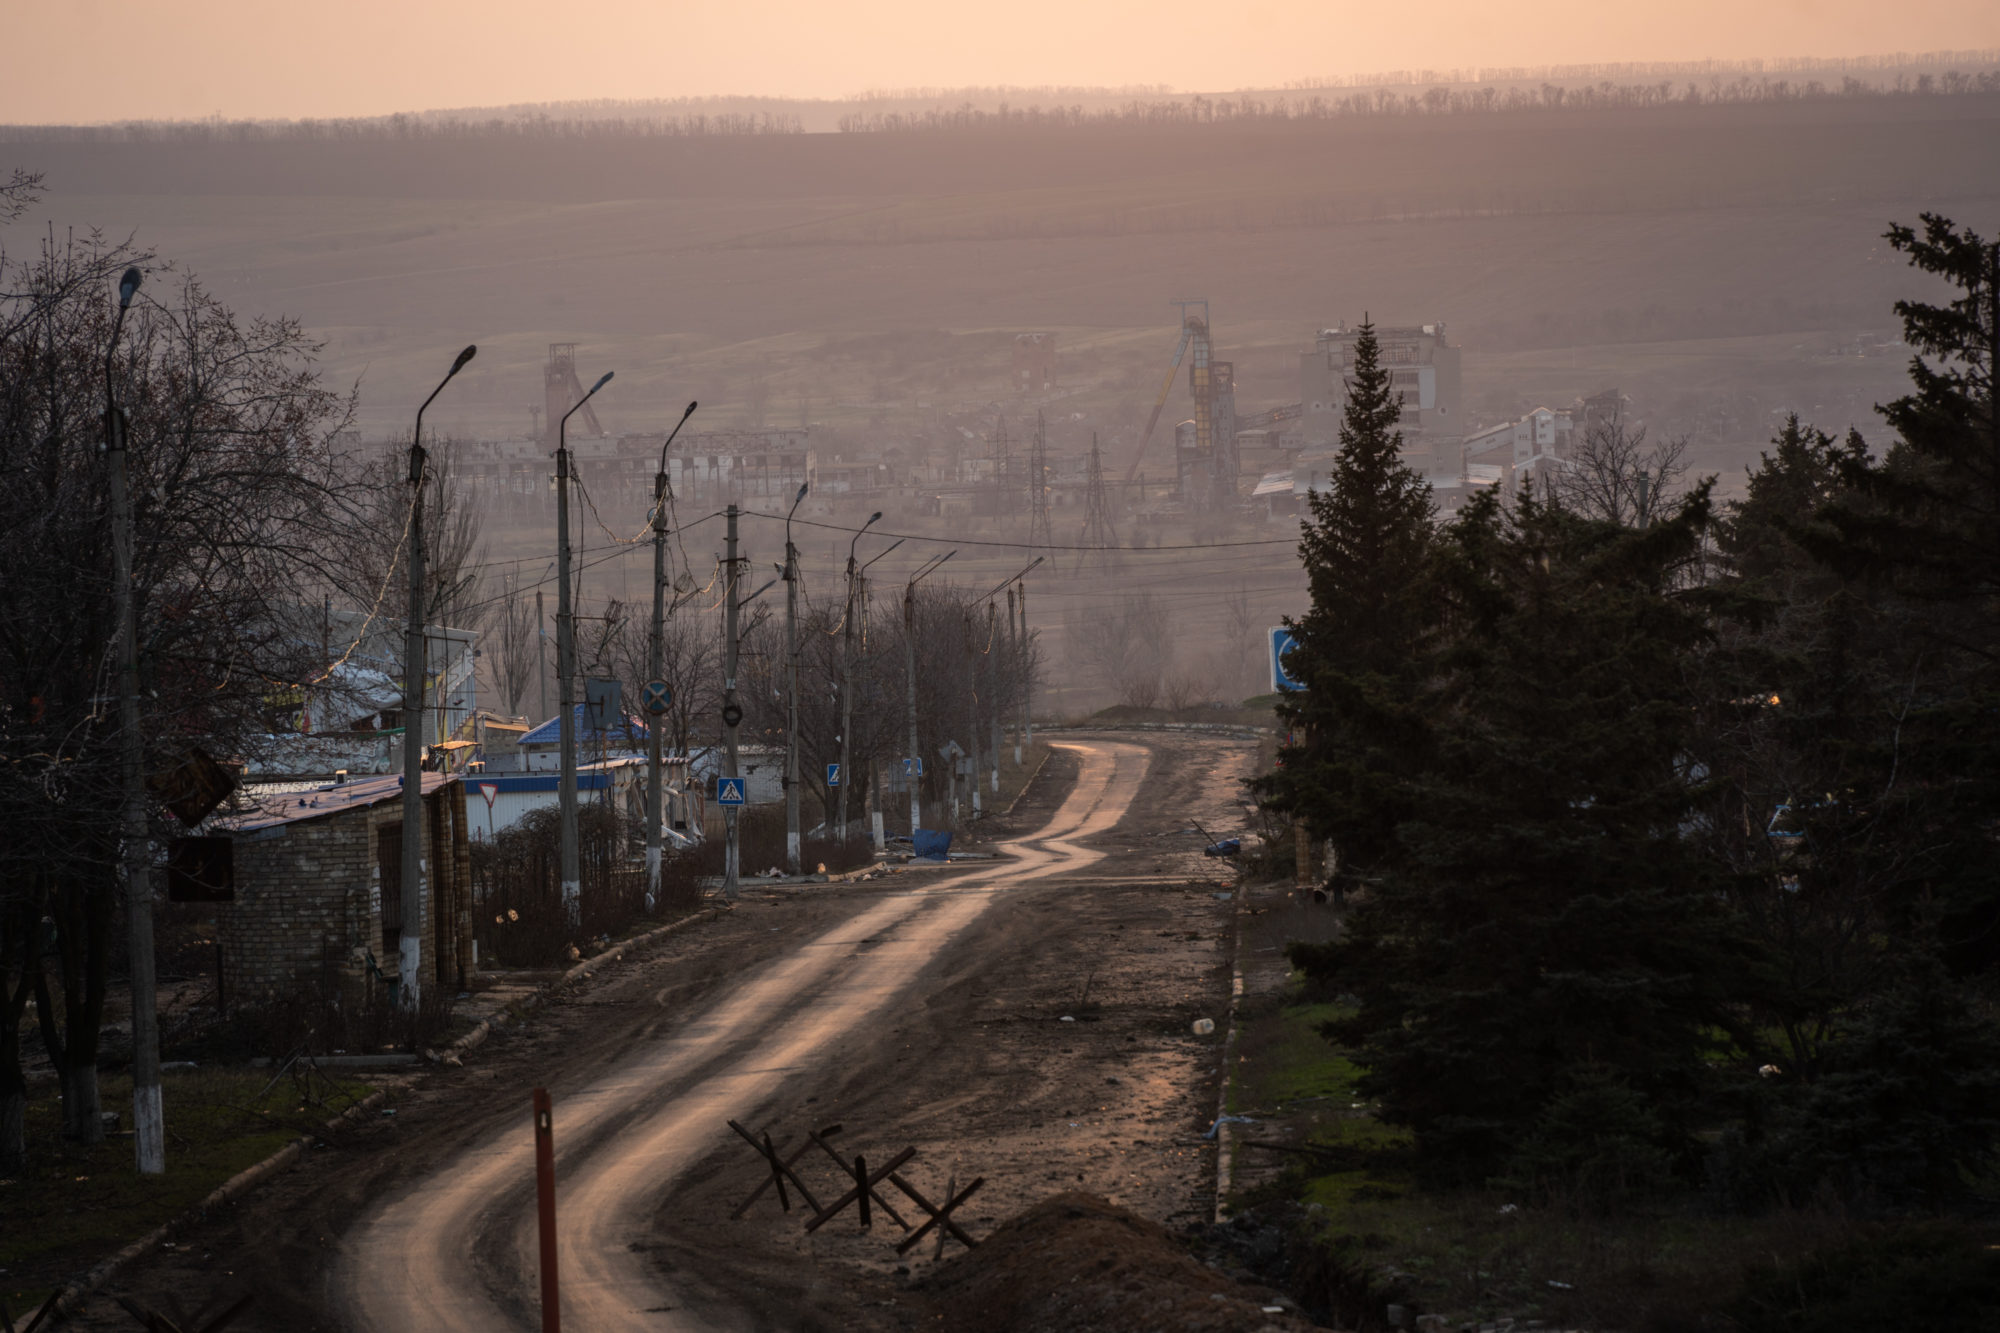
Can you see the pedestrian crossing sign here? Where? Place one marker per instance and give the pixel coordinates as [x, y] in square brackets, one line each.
[729, 791]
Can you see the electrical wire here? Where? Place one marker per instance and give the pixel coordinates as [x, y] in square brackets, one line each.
[1031, 546]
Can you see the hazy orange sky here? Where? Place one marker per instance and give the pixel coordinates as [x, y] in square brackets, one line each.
[94, 60]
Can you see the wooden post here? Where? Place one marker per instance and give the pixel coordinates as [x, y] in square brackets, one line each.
[861, 1181]
[545, 1201]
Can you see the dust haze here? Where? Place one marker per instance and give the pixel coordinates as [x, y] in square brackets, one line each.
[895, 296]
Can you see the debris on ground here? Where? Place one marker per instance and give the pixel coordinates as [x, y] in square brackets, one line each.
[1076, 1261]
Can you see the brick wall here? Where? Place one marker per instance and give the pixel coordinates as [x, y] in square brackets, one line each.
[309, 900]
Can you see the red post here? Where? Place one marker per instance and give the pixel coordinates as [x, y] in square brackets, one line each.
[545, 1200]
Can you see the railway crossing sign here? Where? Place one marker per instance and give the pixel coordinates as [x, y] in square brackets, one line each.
[833, 775]
[654, 697]
[729, 791]
[1282, 643]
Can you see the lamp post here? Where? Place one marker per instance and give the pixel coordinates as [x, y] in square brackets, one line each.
[148, 1120]
[847, 679]
[910, 680]
[410, 944]
[792, 849]
[658, 666]
[572, 874]
[994, 676]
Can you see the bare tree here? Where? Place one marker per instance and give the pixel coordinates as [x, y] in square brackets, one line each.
[1613, 474]
[236, 504]
[1188, 685]
[513, 643]
[1131, 646]
[1245, 646]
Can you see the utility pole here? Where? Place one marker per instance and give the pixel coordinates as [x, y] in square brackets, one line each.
[656, 667]
[571, 870]
[972, 714]
[732, 712]
[1027, 675]
[148, 1116]
[875, 786]
[793, 859]
[993, 690]
[1014, 642]
[410, 944]
[847, 679]
[910, 680]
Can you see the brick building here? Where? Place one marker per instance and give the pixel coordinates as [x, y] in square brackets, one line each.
[318, 889]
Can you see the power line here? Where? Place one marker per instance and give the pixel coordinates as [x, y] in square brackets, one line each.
[1035, 546]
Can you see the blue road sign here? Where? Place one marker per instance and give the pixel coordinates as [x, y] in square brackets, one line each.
[913, 768]
[654, 697]
[729, 791]
[833, 775]
[1282, 643]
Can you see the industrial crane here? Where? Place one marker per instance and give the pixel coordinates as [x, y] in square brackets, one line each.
[1192, 332]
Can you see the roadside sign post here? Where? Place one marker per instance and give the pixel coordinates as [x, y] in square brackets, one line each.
[545, 1208]
[1282, 642]
[489, 791]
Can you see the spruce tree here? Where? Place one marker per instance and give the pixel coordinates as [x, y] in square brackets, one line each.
[1545, 926]
[1923, 536]
[1364, 544]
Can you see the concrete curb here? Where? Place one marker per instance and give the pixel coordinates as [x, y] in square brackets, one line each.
[1225, 1148]
[1040, 764]
[242, 1182]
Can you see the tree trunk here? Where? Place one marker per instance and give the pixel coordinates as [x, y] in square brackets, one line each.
[22, 924]
[13, 1086]
[84, 924]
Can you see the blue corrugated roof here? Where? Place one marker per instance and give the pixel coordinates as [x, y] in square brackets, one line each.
[550, 732]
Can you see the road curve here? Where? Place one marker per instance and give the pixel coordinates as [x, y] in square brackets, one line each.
[455, 1250]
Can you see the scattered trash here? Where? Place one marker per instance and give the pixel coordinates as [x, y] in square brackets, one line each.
[388, 1110]
[1227, 847]
[1222, 1120]
[1509, 1209]
[1067, 1018]
[1562, 1286]
[1203, 1026]
[1769, 1071]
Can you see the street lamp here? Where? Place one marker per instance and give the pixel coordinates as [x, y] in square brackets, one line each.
[658, 668]
[572, 873]
[910, 677]
[993, 663]
[792, 852]
[410, 943]
[148, 1120]
[846, 680]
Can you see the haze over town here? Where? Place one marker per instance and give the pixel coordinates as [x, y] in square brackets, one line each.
[1266, 634]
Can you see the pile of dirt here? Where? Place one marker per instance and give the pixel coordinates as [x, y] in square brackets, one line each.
[1075, 1261]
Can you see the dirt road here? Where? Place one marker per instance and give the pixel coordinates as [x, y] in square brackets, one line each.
[1025, 1021]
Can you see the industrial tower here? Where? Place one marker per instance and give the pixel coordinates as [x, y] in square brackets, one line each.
[1097, 529]
[1039, 536]
[1003, 469]
[562, 390]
